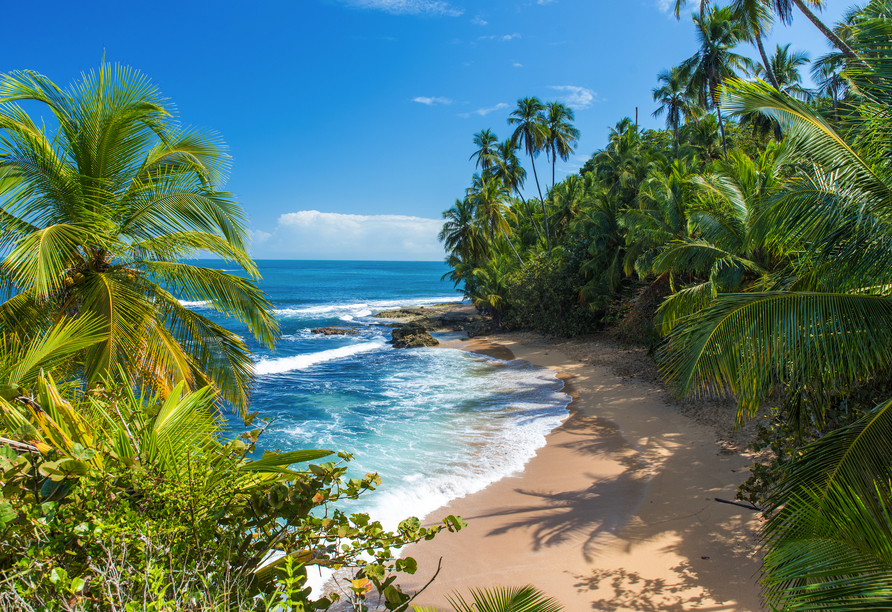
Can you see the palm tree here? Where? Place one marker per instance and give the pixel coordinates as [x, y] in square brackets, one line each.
[98, 218]
[562, 136]
[784, 10]
[673, 100]
[826, 72]
[755, 19]
[532, 133]
[503, 599]
[512, 174]
[715, 61]
[784, 67]
[485, 141]
[488, 195]
[461, 234]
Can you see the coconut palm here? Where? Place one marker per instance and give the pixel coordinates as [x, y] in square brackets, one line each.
[562, 136]
[485, 155]
[821, 335]
[715, 61]
[488, 196]
[531, 133]
[784, 68]
[461, 234]
[784, 11]
[99, 217]
[509, 170]
[673, 100]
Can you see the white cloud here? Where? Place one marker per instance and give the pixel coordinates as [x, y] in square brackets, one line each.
[485, 111]
[518, 65]
[408, 7]
[478, 20]
[578, 98]
[258, 237]
[310, 234]
[431, 101]
[547, 1]
[504, 38]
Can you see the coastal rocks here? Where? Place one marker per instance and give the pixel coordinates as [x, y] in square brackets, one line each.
[412, 336]
[335, 331]
[455, 317]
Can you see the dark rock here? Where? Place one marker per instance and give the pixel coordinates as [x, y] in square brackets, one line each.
[335, 331]
[412, 336]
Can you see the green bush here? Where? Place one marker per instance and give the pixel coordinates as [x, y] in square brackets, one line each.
[112, 502]
[545, 296]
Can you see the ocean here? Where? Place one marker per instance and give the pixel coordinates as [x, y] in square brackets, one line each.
[436, 424]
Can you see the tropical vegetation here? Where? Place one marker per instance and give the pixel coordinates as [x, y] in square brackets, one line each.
[747, 244]
[121, 486]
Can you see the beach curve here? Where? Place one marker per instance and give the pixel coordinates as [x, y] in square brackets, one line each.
[616, 512]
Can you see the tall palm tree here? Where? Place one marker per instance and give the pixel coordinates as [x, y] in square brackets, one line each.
[755, 19]
[715, 62]
[531, 133]
[488, 196]
[673, 100]
[562, 136]
[784, 10]
[98, 217]
[826, 72]
[509, 170]
[485, 156]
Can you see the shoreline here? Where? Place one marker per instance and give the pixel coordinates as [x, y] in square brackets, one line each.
[615, 512]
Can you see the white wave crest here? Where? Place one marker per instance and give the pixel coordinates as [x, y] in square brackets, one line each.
[189, 304]
[301, 362]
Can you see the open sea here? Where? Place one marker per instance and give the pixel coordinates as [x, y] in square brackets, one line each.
[436, 424]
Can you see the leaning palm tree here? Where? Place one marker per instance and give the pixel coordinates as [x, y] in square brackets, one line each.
[562, 136]
[98, 217]
[715, 61]
[531, 133]
[461, 234]
[512, 174]
[784, 11]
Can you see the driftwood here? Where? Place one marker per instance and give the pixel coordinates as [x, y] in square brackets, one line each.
[20, 447]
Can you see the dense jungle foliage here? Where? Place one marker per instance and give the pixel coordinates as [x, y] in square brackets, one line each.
[748, 244]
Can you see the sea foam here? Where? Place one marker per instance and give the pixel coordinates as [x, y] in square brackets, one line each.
[281, 365]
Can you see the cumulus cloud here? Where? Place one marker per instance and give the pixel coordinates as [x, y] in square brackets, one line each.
[408, 7]
[431, 101]
[310, 234]
[485, 111]
[504, 38]
[478, 20]
[578, 98]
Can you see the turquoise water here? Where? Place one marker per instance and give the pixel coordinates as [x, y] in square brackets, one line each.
[436, 424]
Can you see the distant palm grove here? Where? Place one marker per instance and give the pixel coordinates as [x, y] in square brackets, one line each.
[749, 244]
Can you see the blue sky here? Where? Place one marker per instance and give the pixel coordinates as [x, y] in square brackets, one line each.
[350, 121]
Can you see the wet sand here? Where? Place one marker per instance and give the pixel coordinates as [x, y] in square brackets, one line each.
[616, 512]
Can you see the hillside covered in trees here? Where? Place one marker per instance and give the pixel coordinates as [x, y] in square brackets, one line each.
[748, 244]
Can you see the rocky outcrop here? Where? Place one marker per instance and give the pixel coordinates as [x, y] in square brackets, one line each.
[335, 331]
[412, 336]
[456, 317]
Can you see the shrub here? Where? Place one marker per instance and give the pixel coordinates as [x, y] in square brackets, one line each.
[545, 296]
[115, 502]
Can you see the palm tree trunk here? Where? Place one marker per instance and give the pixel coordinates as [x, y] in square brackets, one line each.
[530, 213]
[830, 34]
[553, 164]
[767, 64]
[542, 201]
[505, 236]
[718, 112]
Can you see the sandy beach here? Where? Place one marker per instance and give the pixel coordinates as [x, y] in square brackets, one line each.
[616, 512]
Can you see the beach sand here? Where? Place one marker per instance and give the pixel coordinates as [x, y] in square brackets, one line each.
[616, 512]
